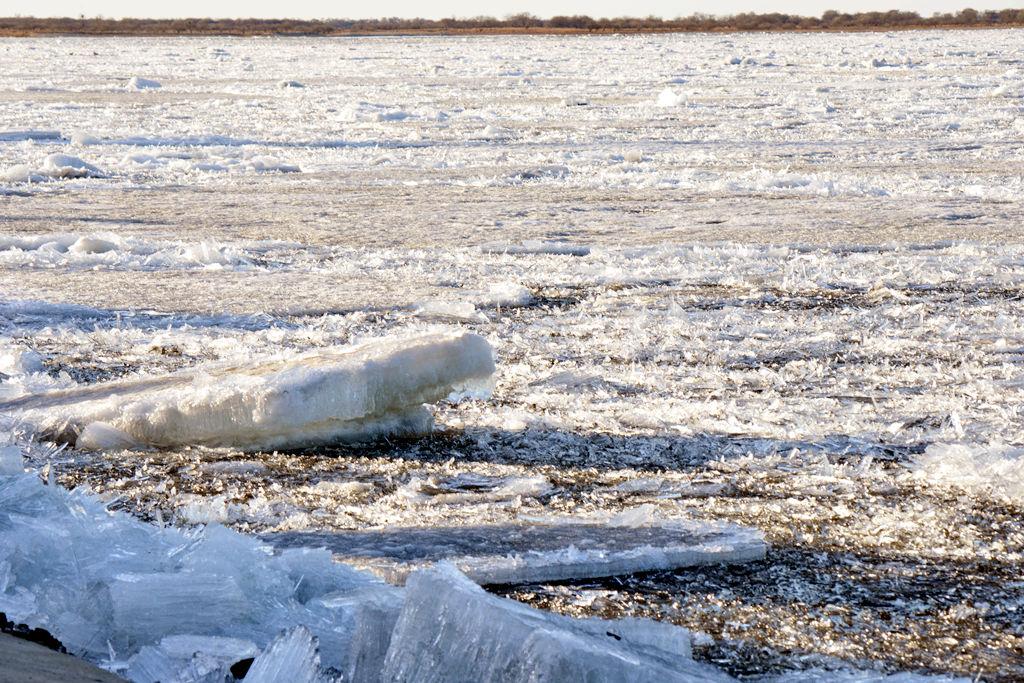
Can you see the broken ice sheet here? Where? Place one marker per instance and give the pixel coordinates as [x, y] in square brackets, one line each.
[188, 657]
[104, 582]
[534, 552]
[375, 388]
[450, 629]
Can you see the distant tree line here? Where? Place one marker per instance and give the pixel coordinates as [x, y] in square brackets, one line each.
[518, 23]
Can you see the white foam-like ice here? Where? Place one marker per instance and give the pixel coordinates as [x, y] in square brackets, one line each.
[342, 393]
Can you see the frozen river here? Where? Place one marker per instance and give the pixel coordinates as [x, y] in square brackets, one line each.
[774, 280]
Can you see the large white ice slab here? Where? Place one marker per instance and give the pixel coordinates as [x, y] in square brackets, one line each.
[450, 629]
[527, 553]
[352, 392]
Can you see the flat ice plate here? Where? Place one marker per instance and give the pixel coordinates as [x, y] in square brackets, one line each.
[528, 553]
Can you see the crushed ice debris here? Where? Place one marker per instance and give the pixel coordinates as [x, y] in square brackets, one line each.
[857, 676]
[345, 393]
[991, 471]
[536, 247]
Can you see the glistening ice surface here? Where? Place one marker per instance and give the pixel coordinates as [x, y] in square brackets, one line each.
[773, 280]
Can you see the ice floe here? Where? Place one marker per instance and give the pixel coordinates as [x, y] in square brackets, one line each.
[23, 135]
[536, 552]
[334, 394]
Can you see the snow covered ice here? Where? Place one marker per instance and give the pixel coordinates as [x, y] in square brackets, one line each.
[368, 390]
[763, 281]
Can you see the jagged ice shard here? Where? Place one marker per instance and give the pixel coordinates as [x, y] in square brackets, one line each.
[451, 629]
[345, 393]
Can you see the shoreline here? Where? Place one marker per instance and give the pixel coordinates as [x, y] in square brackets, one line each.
[25, 661]
[869, 22]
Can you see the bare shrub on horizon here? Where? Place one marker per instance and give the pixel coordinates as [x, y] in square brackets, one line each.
[831, 20]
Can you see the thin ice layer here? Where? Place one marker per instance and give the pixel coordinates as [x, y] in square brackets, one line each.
[450, 629]
[347, 393]
[528, 553]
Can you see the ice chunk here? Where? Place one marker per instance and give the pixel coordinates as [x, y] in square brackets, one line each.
[450, 629]
[271, 164]
[536, 247]
[19, 173]
[15, 359]
[290, 84]
[633, 156]
[164, 601]
[21, 135]
[546, 171]
[139, 83]
[81, 137]
[64, 166]
[11, 462]
[506, 294]
[672, 640]
[990, 471]
[344, 393]
[451, 311]
[99, 436]
[469, 488]
[669, 98]
[371, 613]
[525, 553]
[189, 658]
[142, 608]
[90, 244]
[292, 656]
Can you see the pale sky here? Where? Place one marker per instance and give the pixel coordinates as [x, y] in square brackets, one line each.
[321, 9]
